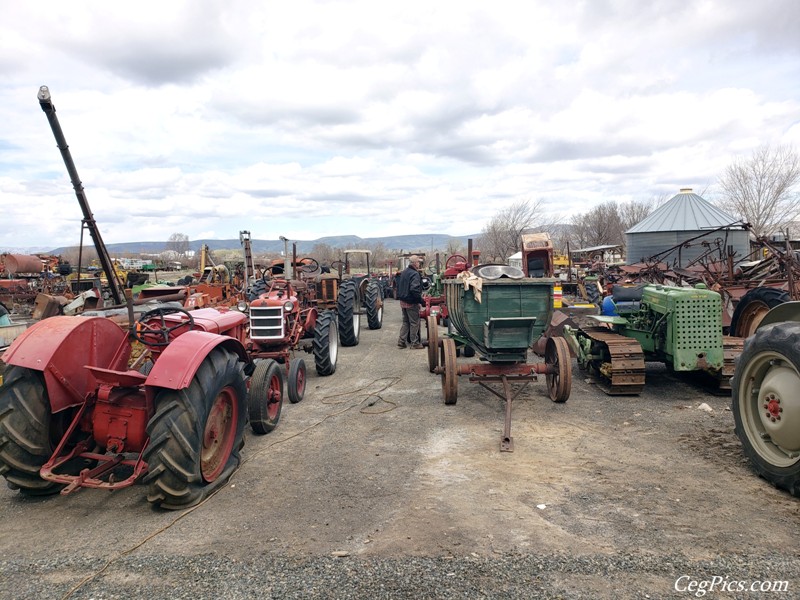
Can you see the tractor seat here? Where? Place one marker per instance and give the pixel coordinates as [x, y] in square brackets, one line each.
[627, 292]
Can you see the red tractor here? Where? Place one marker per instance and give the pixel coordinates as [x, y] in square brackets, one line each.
[77, 411]
[435, 305]
[284, 319]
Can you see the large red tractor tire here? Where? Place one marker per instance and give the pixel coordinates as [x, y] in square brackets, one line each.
[374, 305]
[326, 343]
[766, 404]
[752, 307]
[26, 439]
[196, 433]
[347, 307]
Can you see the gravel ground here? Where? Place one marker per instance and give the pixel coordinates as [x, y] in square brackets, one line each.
[513, 576]
[372, 488]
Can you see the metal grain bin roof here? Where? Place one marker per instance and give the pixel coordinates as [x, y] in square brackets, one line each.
[685, 211]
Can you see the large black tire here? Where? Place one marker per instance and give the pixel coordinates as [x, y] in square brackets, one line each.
[196, 433]
[374, 305]
[26, 439]
[296, 384]
[347, 306]
[766, 404]
[254, 291]
[326, 343]
[752, 307]
[265, 397]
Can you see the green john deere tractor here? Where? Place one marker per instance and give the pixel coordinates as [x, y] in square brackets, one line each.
[679, 326]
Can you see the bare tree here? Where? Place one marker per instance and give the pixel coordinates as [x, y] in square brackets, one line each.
[502, 235]
[323, 253]
[454, 246]
[633, 212]
[601, 225]
[761, 190]
[178, 243]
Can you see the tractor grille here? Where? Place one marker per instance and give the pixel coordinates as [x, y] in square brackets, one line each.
[697, 329]
[266, 323]
[328, 288]
[698, 323]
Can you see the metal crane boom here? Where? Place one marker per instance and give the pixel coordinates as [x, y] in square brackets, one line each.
[114, 283]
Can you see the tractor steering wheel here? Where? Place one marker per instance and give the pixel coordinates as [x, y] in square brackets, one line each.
[144, 331]
[308, 267]
[447, 264]
[431, 268]
[267, 273]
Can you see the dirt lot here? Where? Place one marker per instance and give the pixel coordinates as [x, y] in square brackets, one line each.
[602, 497]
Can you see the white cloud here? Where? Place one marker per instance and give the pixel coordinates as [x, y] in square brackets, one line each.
[317, 118]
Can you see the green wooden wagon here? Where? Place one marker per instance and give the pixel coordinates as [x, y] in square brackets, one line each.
[500, 318]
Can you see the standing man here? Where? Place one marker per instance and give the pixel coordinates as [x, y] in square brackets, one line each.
[409, 292]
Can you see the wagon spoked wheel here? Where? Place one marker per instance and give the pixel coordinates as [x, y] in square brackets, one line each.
[196, 433]
[450, 373]
[296, 385]
[433, 343]
[265, 399]
[557, 358]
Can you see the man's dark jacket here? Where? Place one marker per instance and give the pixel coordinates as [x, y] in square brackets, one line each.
[409, 286]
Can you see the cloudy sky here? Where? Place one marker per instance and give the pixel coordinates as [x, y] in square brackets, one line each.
[371, 118]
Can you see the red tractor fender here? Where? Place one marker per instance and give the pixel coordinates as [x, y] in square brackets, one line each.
[60, 347]
[310, 321]
[178, 363]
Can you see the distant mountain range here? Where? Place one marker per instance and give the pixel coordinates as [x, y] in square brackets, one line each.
[402, 243]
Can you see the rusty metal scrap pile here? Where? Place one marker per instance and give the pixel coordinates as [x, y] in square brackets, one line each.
[768, 265]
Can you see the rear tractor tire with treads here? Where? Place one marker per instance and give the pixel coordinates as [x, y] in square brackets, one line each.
[752, 307]
[196, 433]
[326, 343]
[374, 305]
[347, 307]
[26, 442]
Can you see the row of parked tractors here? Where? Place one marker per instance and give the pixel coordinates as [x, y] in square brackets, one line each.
[165, 400]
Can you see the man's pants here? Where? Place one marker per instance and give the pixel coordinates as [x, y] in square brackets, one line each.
[409, 330]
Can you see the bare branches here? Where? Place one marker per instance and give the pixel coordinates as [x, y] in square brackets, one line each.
[502, 236]
[178, 243]
[761, 189]
[607, 223]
